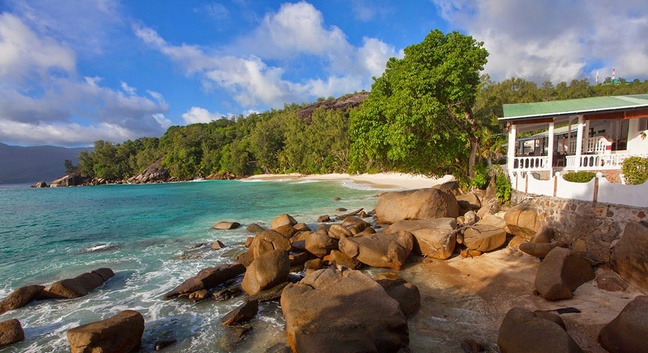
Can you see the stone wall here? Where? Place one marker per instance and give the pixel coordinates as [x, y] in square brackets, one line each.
[588, 228]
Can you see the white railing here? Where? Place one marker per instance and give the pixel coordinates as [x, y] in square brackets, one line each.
[592, 144]
[596, 190]
[531, 163]
[597, 161]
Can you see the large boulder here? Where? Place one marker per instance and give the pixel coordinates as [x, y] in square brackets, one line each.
[407, 294]
[469, 201]
[631, 255]
[80, 285]
[283, 220]
[416, 204]
[411, 226]
[320, 244]
[432, 237]
[267, 241]
[342, 311]
[11, 332]
[342, 259]
[560, 273]
[522, 220]
[484, 237]
[524, 331]
[21, 297]
[206, 279]
[68, 180]
[121, 333]
[266, 271]
[380, 249]
[628, 332]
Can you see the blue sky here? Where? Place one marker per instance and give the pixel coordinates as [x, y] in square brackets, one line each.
[72, 72]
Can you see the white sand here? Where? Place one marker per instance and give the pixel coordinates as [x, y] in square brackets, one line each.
[379, 181]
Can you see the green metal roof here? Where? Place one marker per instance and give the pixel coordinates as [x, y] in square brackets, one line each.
[573, 106]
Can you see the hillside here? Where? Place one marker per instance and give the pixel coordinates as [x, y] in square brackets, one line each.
[32, 164]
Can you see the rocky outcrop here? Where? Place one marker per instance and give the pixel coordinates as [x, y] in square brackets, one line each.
[40, 184]
[121, 333]
[523, 331]
[11, 332]
[21, 297]
[560, 273]
[80, 285]
[343, 103]
[153, 174]
[266, 271]
[206, 279]
[337, 311]
[628, 332]
[416, 204]
[68, 180]
[631, 255]
[380, 249]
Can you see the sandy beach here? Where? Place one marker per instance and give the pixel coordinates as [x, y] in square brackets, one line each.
[379, 181]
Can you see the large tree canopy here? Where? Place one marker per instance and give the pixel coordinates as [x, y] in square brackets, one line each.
[418, 117]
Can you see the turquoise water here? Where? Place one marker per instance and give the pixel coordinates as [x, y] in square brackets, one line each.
[151, 236]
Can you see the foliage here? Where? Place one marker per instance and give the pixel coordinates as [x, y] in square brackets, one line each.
[579, 177]
[481, 177]
[502, 185]
[635, 170]
[418, 117]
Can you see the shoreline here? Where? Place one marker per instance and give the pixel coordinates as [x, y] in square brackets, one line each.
[400, 181]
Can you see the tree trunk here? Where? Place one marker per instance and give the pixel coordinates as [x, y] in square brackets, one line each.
[474, 145]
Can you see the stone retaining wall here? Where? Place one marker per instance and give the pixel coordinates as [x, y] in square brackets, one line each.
[588, 228]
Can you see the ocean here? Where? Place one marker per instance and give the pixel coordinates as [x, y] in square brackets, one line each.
[153, 237]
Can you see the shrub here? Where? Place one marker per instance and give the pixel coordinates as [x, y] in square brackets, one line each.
[480, 179]
[635, 170]
[502, 185]
[579, 177]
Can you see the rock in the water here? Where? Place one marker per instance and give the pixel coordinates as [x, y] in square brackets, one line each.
[266, 271]
[628, 332]
[21, 297]
[416, 204]
[255, 228]
[337, 311]
[217, 245]
[227, 293]
[232, 336]
[199, 295]
[206, 279]
[118, 334]
[522, 220]
[11, 332]
[560, 273]
[225, 225]
[523, 331]
[242, 313]
[407, 294]
[80, 285]
[631, 255]
[484, 237]
[380, 250]
[320, 244]
[40, 184]
[283, 220]
[68, 180]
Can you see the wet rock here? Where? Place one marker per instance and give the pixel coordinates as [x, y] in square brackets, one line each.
[380, 250]
[523, 331]
[21, 297]
[407, 294]
[225, 225]
[522, 220]
[80, 285]
[628, 332]
[227, 293]
[199, 295]
[117, 334]
[279, 348]
[631, 255]
[165, 341]
[11, 332]
[371, 321]
[484, 237]
[283, 220]
[232, 336]
[206, 279]
[416, 204]
[560, 273]
[242, 313]
[217, 245]
[266, 271]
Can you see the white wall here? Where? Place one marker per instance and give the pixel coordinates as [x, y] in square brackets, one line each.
[636, 144]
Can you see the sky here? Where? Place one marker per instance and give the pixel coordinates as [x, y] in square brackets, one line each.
[76, 71]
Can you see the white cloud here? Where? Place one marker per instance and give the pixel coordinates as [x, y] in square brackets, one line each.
[127, 89]
[216, 10]
[555, 40]
[197, 115]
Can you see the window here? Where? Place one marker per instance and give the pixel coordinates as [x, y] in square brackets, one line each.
[643, 124]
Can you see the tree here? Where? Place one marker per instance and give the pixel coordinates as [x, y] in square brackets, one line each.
[419, 114]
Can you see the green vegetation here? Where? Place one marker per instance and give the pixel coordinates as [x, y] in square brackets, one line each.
[502, 185]
[635, 170]
[430, 112]
[579, 177]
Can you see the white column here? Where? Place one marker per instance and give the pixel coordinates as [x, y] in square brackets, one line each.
[569, 136]
[550, 153]
[579, 141]
[510, 153]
